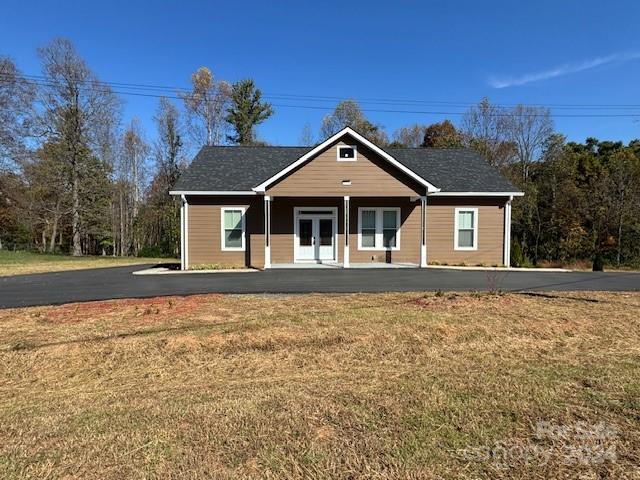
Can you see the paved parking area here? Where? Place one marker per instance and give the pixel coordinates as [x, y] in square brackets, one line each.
[109, 283]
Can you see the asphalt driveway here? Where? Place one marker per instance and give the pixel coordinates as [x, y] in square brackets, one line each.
[109, 283]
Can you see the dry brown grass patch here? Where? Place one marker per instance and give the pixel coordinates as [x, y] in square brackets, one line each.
[316, 386]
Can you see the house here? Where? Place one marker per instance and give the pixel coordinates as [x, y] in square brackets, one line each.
[275, 206]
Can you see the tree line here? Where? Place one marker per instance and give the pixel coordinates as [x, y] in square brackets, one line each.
[74, 179]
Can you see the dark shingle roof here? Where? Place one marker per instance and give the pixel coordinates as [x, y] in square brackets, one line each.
[239, 168]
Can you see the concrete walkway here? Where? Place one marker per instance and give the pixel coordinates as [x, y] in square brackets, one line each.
[108, 283]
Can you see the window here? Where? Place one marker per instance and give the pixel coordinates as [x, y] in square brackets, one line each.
[347, 153]
[466, 229]
[378, 228]
[232, 228]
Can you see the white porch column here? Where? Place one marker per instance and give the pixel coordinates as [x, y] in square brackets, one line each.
[182, 232]
[423, 231]
[345, 257]
[184, 237]
[507, 234]
[267, 231]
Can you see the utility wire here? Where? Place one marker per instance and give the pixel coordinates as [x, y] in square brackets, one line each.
[39, 80]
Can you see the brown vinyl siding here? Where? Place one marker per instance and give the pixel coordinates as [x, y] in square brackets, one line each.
[322, 176]
[204, 235]
[441, 224]
[409, 251]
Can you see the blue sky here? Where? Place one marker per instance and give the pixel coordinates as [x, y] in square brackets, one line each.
[549, 52]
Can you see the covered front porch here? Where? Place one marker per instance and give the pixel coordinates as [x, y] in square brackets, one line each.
[344, 232]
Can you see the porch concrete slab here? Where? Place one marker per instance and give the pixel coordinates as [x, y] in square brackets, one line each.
[298, 266]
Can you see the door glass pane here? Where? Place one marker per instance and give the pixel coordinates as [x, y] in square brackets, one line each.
[368, 238]
[465, 220]
[233, 219]
[389, 237]
[389, 218]
[233, 238]
[305, 231]
[368, 219]
[326, 232]
[465, 238]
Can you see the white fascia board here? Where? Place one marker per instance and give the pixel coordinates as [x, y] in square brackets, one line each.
[211, 192]
[478, 194]
[329, 141]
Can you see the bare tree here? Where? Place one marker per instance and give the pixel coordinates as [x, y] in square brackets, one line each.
[485, 129]
[16, 112]
[169, 147]
[206, 105]
[410, 136]
[306, 136]
[76, 107]
[528, 128]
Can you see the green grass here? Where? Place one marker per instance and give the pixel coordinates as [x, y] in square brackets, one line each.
[16, 263]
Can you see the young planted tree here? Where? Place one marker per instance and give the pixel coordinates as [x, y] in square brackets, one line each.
[247, 110]
[76, 109]
[206, 105]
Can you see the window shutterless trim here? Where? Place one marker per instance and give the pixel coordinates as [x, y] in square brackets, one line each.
[379, 228]
[456, 228]
[355, 153]
[242, 210]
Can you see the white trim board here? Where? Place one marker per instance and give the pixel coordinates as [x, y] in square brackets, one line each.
[231, 208]
[345, 131]
[477, 194]
[456, 228]
[297, 214]
[211, 192]
[379, 238]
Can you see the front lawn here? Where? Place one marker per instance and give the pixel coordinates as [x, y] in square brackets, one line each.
[323, 386]
[17, 263]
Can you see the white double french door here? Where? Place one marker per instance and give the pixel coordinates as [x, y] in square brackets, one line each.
[315, 235]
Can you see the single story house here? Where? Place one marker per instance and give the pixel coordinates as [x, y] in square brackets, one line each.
[345, 201]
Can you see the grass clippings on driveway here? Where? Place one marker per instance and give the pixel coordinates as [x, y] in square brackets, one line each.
[323, 386]
[19, 263]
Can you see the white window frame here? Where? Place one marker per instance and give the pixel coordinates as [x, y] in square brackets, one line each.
[456, 229]
[379, 239]
[222, 229]
[355, 153]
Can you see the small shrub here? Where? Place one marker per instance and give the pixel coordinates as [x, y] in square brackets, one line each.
[517, 257]
[215, 266]
[598, 263]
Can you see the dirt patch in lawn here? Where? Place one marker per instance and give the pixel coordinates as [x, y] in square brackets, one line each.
[408, 385]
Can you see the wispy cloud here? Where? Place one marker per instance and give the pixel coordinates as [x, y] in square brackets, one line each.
[566, 69]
